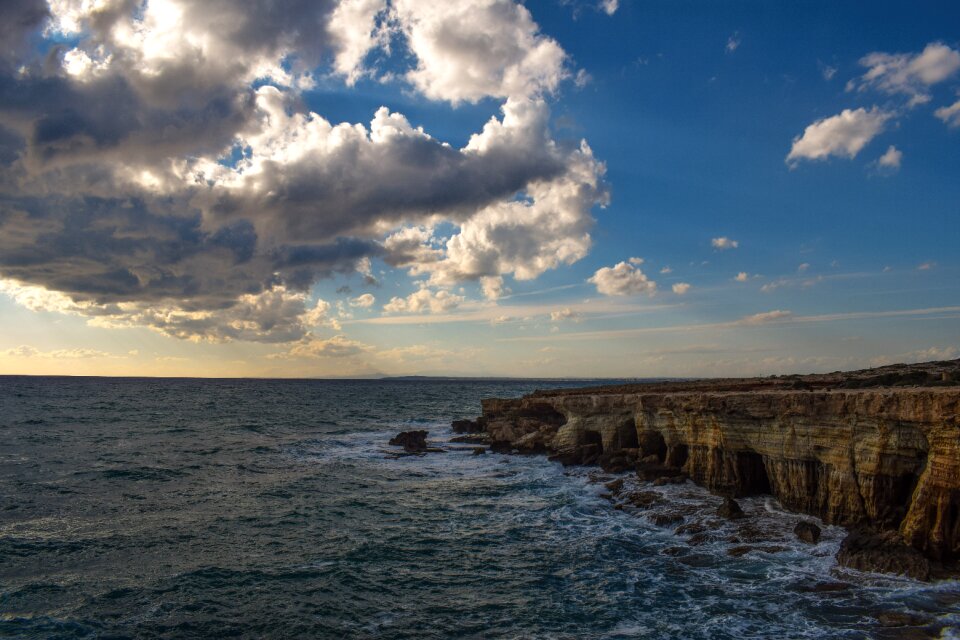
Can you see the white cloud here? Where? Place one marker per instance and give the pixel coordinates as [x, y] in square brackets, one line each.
[565, 314]
[950, 115]
[733, 42]
[623, 279]
[338, 346]
[26, 351]
[275, 315]
[353, 25]
[910, 74]
[666, 270]
[364, 301]
[827, 71]
[889, 162]
[468, 50]
[724, 243]
[766, 317]
[424, 301]
[681, 288]
[741, 277]
[609, 6]
[803, 267]
[492, 287]
[636, 261]
[926, 266]
[844, 134]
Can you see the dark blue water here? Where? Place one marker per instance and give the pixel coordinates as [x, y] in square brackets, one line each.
[188, 508]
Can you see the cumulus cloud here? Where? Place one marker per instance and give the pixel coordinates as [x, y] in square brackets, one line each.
[623, 279]
[565, 314]
[364, 301]
[424, 301]
[844, 135]
[950, 115]
[338, 346]
[276, 315]
[909, 74]
[468, 50]
[609, 7]
[681, 288]
[889, 162]
[741, 277]
[158, 164]
[723, 243]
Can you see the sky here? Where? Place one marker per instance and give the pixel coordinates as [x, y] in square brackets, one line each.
[567, 188]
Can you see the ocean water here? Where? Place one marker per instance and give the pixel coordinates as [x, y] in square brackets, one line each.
[135, 508]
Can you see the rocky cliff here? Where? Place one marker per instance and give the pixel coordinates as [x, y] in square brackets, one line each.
[879, 447]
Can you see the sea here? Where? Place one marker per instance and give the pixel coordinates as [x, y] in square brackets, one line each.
[183, 508]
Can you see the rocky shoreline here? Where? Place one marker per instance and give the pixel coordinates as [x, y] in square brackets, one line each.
[876, 451]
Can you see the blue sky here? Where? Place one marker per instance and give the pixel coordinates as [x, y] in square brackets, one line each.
[595, 189]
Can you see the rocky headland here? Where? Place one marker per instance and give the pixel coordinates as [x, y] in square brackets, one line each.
[876, 451]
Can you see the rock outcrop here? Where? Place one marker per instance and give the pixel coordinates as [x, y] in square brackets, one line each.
[411, 441]
[879, 447]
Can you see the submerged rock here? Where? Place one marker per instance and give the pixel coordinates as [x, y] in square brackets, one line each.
[615, 486]
[473, 438]
[479, 451]
[807, 531]
[644, 499]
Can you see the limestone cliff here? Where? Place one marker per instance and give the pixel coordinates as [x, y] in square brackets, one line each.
[848, 448]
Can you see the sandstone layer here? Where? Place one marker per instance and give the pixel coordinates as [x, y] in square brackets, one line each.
[877, 448]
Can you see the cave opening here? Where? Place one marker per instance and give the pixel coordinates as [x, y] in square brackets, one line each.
[593, 437]
[545, 414]
[677, 455]
[627, 436]
[752, 474]
[651, 443]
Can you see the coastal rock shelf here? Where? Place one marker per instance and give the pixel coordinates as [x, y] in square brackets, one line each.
[877, 448]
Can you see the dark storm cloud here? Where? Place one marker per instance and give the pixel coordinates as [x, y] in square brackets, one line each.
[109, 251]
[19, 20]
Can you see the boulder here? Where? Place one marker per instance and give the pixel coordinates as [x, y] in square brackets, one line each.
[468, 426]
[664, 480]
[616, 462]
[584, 454]
[411, 441]
[807, 531]
[884, 552]
[730, 510]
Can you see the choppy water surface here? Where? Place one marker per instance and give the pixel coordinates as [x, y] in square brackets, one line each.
[187, 508]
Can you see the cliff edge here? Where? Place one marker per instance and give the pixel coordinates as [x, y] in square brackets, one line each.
[876, 449]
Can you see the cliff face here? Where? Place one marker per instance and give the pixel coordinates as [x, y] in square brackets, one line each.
[885, 457]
